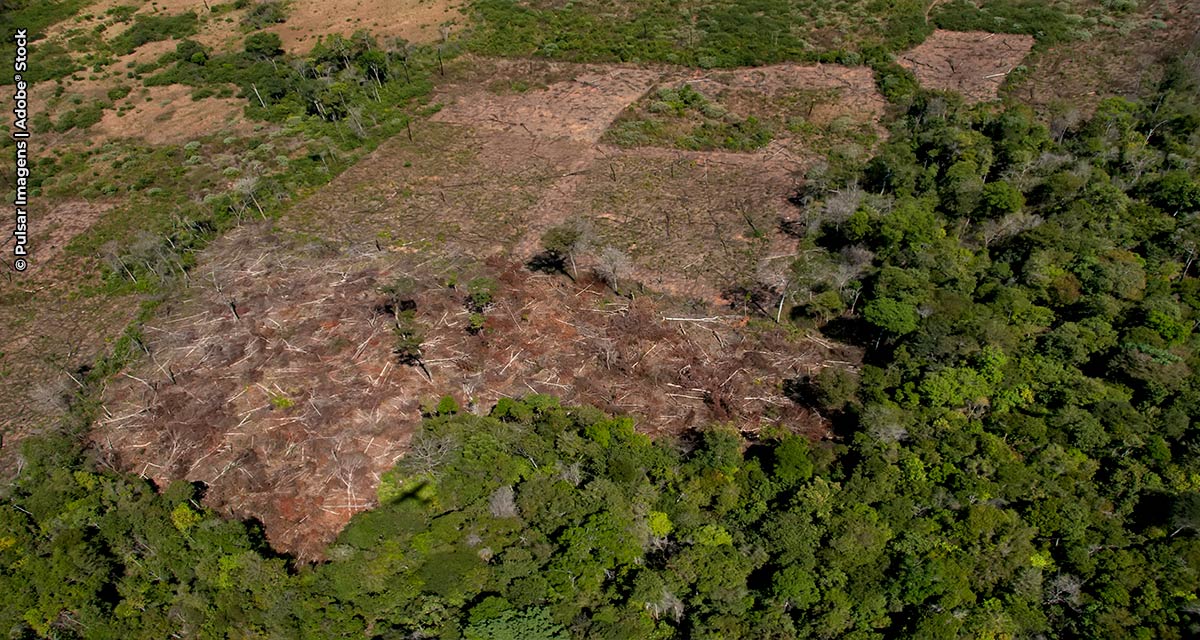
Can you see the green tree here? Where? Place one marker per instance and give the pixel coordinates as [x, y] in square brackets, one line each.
[896, 317]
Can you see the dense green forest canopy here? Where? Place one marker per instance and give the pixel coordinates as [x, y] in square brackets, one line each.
[1017, 457]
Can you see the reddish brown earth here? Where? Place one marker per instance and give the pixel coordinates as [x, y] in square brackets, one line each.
[168, 115]
[1071, 78]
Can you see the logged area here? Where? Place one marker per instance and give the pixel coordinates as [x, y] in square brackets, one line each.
[275, 381]
[974, 64]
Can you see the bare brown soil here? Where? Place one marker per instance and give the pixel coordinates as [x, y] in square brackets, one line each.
[695, 223]
[973, 63]
[418, 21]
[580, 108]
[168, 115]
[57, 224]
[50, 335]
[855, 94]
[51, 331]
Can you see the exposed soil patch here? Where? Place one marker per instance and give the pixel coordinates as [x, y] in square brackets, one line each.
[168, 115]
[856, 96]
[418, 21]
[580, 108]
[695, 223]
[973, 63]
[54, 226]
[49, 335]
[50, 331]
[290, 409]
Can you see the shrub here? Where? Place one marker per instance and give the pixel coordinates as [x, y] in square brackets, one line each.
[191, 51]
[264, 44]
[399, 295]
[264, 14]
[447, 406]
[480, 292]
[152, 28]
[475, 323]
[80, 118]
[116, 93]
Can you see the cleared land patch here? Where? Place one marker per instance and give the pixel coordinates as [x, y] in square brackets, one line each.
[580, 108]
[715, 207]
[1070, 78]
[413, 20]
[168, 115]
[807, 108]
[277, 381]
[973, 63]
[57, 225]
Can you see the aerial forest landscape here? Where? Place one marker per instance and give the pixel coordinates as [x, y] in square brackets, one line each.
[600, 319]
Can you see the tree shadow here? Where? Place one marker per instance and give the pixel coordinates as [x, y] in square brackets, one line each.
[256, 533]
[547, 262]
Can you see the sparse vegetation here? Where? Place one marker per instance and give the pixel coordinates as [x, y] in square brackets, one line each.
[561, 244]
[738, 33]
[480, 293]
[1048, 23]
[408, 338]
[152, 28]
[686, 119]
